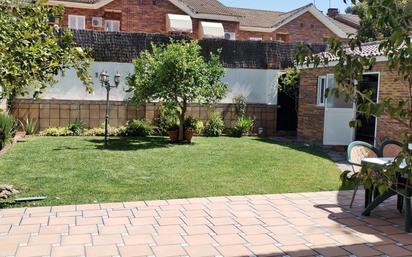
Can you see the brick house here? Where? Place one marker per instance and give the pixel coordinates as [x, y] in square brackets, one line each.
[326, 120]
[205, 19]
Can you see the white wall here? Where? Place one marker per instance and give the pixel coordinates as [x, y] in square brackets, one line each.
[256, 85]
[3, 104]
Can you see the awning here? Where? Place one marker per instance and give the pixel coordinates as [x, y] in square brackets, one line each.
[179, 23]
[211, 30]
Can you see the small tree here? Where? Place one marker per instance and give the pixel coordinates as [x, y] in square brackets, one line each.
[288, 84]
[32, 51]
[177, 73]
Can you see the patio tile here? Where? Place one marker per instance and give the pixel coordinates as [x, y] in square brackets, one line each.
[266, 250]
[234, 250]
[86, 229]
[68, 251]
[229, 239]
[203, 239]
[168, 251]
[76, 239]
[171, 239]
[305, 224]
[198, 229]
[102, 250]
[107, 239]
[361, 250]
[393, 250]
[138, 240]
[45, 239]
[201, 251]
[31, 251]
[135, 250]
[24, 229]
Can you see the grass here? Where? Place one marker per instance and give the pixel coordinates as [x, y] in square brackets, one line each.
[76, 170]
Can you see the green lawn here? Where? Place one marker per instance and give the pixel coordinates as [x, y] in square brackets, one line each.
[75, 170]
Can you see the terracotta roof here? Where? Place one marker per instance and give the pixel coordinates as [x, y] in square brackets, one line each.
[257, 18]
[370, 49]
[348, 29]
[213, 7]
[351, 18]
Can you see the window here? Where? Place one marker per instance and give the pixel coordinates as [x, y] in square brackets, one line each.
[111, 25]
[255, 39]
[282, 37]
[321, 91]
[77, 22]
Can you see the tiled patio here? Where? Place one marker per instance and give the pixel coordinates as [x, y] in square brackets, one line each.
[304, 224]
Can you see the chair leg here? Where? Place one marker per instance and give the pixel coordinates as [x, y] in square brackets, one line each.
[380, 199]
[408, 216]
[400, 203]
[354, 195]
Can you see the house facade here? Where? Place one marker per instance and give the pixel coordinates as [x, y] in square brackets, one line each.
[325, 120]
[203, 19]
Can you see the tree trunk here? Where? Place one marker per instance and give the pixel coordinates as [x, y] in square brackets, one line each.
[181, 127]
[182, 122]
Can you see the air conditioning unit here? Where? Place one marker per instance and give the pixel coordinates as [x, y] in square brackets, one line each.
[230, 36]
[97, 22]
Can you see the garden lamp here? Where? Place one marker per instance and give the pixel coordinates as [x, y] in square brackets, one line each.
[105, 81]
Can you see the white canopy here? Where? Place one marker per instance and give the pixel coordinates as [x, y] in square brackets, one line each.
[211, 30]
[179, 23]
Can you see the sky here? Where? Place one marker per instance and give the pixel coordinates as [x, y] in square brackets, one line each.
[285, 5]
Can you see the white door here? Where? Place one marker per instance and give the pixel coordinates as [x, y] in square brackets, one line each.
[338, 115]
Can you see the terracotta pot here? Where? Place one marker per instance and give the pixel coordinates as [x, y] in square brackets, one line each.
[189, 135]
[173, 135]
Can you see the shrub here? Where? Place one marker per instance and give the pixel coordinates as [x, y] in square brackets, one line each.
[243, 126]
[194, 124]
[29, 126]
[7, 128]
[214, 125]
[240, 105]
[57, 132]
[167, 119]
[139, 128]
[76, 127]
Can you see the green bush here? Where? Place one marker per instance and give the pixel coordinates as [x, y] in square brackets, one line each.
[29, 126]
[8, 127]
[194, 124]
[139, 128]
[243, 126]
[214, 125]
[167, 118]
[57, 132]
[76, 127]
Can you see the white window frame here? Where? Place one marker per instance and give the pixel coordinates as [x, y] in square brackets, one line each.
[79, 20]
[112, 24]
[256, 39]
[320, 94]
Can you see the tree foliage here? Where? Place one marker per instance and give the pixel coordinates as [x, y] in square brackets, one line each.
[32, 51]
[177, 73]
[288, 84]
[397, 47]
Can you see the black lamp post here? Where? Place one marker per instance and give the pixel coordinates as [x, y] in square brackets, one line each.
[105, 80]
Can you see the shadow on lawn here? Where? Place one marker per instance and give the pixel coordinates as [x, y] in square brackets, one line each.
[132, 144]
[298, 147]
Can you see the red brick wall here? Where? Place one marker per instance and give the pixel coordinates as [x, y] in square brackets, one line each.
[311, 117]
[144, 16]
[138, 16]
[55, 113]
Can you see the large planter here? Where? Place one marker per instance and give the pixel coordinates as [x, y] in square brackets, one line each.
[189, 135]
[173, 135]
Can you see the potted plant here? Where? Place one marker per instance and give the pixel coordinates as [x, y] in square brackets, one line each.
[173, 132]
[191, 126]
